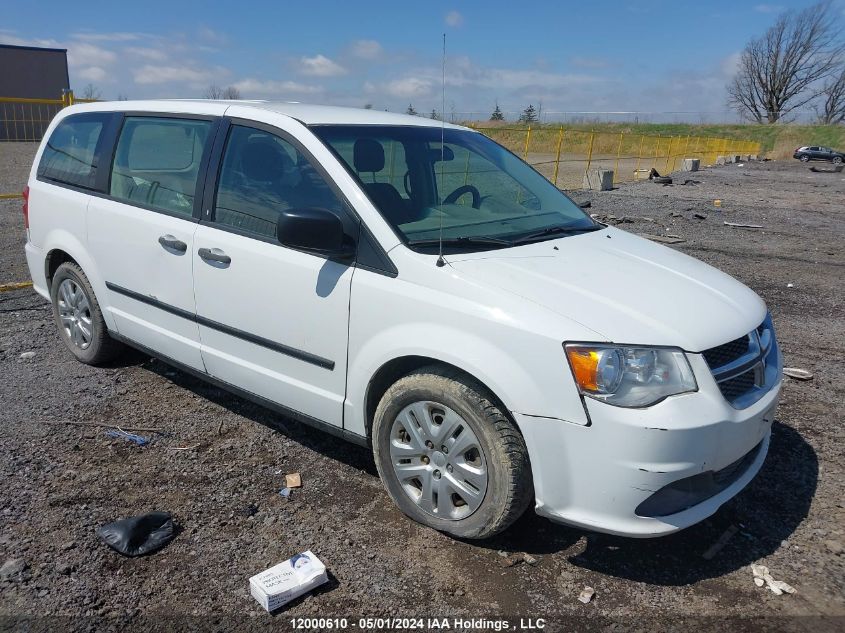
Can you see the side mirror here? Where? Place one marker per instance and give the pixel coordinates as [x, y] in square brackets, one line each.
[314, 229]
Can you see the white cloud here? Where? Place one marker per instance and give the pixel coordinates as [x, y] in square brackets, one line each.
[409, 87]
[588, 62]
[366, 49]
[320, 66]
[152, 54]
[84, 54]
[107, 37]
[251, 88]
[453, 18]
[150, 74]
[768, 8]
[92, 73]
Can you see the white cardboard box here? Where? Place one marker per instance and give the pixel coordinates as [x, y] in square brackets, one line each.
[275, 587]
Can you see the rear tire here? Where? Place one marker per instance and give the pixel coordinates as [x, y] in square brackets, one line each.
[79, 319]
[475, 488]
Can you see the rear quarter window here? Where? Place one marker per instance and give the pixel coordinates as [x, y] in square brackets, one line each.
[157, 162]
[70, 155]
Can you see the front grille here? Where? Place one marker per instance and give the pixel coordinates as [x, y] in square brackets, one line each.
[747, 367]
[732, 388]
[727, 352]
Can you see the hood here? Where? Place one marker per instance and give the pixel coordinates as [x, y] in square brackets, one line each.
[625, 287]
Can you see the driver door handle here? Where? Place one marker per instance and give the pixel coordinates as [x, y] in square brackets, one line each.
[214, 255]
[168, 241]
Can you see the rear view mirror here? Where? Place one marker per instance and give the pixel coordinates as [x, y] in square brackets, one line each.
[448, 154]
[314, 229]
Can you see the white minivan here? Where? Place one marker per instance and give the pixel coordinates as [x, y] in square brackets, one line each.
[413, 287]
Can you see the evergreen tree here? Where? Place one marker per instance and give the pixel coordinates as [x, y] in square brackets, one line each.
[529, 115]
[411, 110]
[497, 114]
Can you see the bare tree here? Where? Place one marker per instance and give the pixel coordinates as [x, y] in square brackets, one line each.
[216, 92]
[780, 71]
[231, 93]
[832, 109]
[90, 92]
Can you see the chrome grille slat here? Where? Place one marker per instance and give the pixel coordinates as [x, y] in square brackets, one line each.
[745, 368]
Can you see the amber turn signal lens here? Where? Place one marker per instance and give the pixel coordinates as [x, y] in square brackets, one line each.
[584, 363]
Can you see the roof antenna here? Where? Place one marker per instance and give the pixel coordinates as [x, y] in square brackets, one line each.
[440, 261]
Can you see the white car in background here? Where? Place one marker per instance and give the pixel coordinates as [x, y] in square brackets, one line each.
[415, 287]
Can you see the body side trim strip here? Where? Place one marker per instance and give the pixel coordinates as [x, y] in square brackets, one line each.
[226, 329]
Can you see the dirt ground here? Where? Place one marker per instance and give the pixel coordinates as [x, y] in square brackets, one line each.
[61, 481]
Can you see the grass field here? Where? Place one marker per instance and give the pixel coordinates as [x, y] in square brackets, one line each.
[778, 141]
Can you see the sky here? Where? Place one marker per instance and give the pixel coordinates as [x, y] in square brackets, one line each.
[619, 55]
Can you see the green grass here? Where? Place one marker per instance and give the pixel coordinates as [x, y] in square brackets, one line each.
[777, 141]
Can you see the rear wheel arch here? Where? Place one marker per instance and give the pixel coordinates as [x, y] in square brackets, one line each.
[54, 259]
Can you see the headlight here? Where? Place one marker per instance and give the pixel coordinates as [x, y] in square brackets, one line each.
[629, 376]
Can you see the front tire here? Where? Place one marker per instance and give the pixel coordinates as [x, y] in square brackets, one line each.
[449, 457]
[805, 158]
[78, 317]
[837, 160]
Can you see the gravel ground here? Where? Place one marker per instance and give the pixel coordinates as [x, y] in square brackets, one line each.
[61, 481]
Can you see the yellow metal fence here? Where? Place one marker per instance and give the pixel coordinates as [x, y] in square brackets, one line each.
[564, 155]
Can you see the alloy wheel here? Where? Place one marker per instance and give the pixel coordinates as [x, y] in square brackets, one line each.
[75, 313]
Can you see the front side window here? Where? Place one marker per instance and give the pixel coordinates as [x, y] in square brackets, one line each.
[157, 161]
[263, 175]
[481, 194]
[69, 155]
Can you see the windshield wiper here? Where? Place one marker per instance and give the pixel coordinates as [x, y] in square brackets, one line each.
[556, 230]
[466, 240]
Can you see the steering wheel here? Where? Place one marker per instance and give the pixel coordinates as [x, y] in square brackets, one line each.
[452, 198]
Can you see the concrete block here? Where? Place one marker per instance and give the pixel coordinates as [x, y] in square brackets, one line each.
[721, 160]
[746, 158]
[599, 180]
[691, 164]
[752, 157]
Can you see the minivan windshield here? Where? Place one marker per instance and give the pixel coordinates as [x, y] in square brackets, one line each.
[484, 196]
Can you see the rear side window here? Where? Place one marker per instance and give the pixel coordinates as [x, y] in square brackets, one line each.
[70, 154]
[157, 162]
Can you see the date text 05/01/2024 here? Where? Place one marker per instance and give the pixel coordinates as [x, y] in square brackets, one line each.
[411, 624]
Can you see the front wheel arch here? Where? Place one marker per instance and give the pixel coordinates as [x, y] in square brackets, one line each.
[396, 369]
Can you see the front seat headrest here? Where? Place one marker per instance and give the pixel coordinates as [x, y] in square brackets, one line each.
[368, 155]
[264, 161]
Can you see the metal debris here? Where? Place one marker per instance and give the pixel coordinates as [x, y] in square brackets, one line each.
[586, 595]
[700, 216]
[798, 374]
[739, 225]
[664, 239]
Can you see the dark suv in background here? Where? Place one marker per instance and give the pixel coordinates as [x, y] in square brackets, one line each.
[805, 154]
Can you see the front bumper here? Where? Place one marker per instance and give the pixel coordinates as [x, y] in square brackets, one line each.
[597, 476]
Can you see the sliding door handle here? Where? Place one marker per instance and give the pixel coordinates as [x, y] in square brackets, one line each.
[214, 255]
[168, 241]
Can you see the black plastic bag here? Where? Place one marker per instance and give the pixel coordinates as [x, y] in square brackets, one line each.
[139, 535]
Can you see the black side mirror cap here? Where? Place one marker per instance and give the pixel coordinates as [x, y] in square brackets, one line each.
[316, 230]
